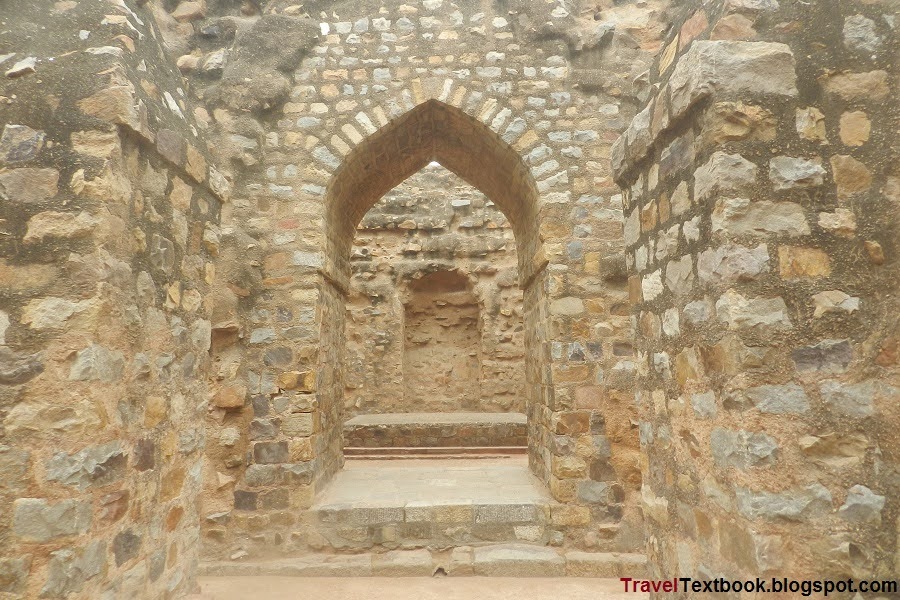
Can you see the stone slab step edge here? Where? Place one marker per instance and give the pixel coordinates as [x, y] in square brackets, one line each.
[496, 560]
[435, 452]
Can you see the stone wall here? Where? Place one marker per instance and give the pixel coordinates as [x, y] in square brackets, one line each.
[319, 117]
[109, 214]
[435, 319]
[761, 220]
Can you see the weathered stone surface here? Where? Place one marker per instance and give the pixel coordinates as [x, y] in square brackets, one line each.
[855, 128]
[742, 449]
[704, 405]
[730, 263]
[20, 143]
[14, 574]
[59, 225]
[652, 286]
[778, 399]
[53, 313]
[828, 356]
[860, 34]
[94, 466]
[96, 363]
[792, 505]
[126, 546]
[410, 563]
[810, 123]
[518, 561]
[834, 301]
[19, 368]
[69, 570]
[740, 216]
[834, 449]
[727, 67]
[851, 399]
[798, 262]
[37, 520]
[862, 506]
[789, 173]
[856, 86]
[230, 397]
[841, 222]
[569, 306]
[850, 175]
[744, 313]
[724, 173]
[680, 275]
[28, 186]
[271, 452]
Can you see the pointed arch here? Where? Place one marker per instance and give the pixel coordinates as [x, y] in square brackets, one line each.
[432, 131]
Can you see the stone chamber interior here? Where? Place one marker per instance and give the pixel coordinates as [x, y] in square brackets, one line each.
[463, 287]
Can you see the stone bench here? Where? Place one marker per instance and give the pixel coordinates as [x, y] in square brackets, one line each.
[436, 430]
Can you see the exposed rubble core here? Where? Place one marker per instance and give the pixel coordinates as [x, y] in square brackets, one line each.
[650, 243]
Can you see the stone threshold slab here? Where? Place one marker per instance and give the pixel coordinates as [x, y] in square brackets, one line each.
[494, 560]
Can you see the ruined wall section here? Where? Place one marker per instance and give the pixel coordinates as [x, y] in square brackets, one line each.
[761, 203]
[433, 225]
[109, 213]
[545, 78]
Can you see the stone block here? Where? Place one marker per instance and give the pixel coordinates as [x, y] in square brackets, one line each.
[790, 173]
[731, 68]
[403, 563]
[266, 453]
[797, 262]
[828, 356]
[95, 466]
[748, 313]
[731, 262]
[593, 564]
[778, 399]
[37, 520]
[126, 546]
[834, 449]
[852, 399]
[68, 570]
[462, 560]
[14, 574]
[20, 143]
[517, 560]
[797, 504]
[28, 185]
[742, 449]
[724, 173]
[507, 513]
[862, 506]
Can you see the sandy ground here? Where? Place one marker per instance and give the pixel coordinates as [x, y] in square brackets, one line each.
[411, 588]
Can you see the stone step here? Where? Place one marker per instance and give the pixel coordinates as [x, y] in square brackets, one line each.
[414, 524]
[491, 560]
[435, 452]
[428, 430]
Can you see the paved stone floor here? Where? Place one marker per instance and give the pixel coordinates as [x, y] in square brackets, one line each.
[411, 588]
[457, 481]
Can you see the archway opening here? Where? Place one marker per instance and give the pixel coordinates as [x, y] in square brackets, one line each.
[431, 132]
[435, 350]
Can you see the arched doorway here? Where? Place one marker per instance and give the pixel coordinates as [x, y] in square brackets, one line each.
[432, 131]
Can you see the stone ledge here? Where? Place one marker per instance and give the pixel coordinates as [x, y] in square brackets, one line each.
[707, 69]
[491, 560]
[415, 430]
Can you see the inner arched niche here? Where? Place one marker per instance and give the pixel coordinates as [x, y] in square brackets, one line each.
[431, 132]
[434, 314]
